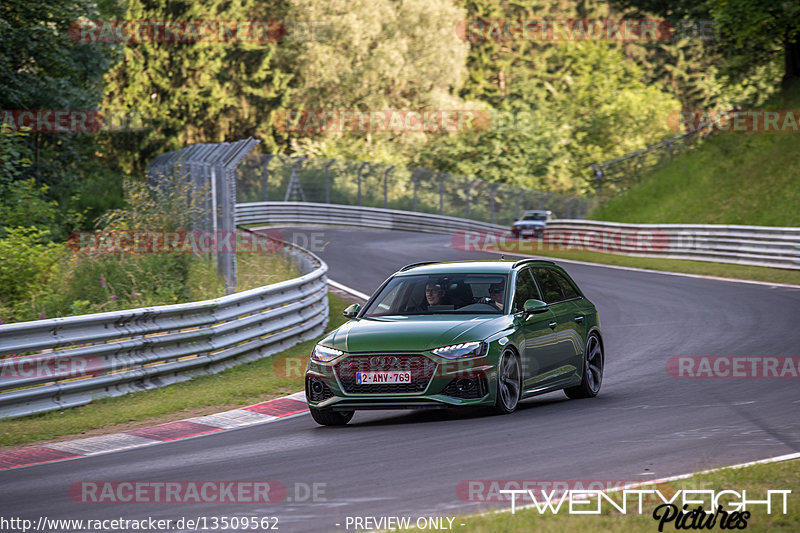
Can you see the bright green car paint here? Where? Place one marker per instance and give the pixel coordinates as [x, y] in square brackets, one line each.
[549, 342]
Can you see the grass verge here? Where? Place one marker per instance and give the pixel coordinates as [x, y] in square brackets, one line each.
[245, 384]
[733, 178]
[756, 480]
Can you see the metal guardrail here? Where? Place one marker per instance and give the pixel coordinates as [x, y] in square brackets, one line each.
[350, 215]
[775, 247]
[78, 359]
[746, 245]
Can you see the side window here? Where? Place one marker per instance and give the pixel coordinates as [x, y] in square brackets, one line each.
[548, 283]
[524, 290]
[566, 287]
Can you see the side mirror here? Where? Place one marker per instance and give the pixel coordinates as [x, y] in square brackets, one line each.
[352, 311]
[533, 306]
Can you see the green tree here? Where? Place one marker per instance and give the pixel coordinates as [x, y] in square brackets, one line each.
[749, 33]
[22, 202]
[559, 106]
[43, 68]
[373, 55]
[204, 91]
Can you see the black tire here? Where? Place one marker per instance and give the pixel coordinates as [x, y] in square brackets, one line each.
[329, 417]
[509, 383]
[593, 362]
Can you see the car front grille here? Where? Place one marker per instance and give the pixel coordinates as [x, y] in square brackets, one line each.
[421, 368]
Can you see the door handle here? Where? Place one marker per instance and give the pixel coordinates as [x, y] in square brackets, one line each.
[578, 319]
[553, 325]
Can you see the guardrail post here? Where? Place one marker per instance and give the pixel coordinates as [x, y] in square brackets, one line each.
[441, 192]
[415, 180]
[294, 188]
[364, 164]
[386, 186]
[265, 176]
[598, 176]
[328, 181]
[494, 192]
[569, 207]
[544, 198]
[469, 192]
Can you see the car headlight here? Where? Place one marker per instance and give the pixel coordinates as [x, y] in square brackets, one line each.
[467, 349]
[323, 354]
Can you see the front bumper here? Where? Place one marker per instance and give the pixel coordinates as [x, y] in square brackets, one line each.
[523, 231]
[436, 383]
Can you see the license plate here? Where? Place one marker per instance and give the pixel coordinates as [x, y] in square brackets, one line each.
[372, 378]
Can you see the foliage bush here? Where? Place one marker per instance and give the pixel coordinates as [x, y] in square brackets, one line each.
[40, 279]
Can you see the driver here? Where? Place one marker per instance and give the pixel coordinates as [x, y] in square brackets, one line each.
[497, 294]
[434, 293]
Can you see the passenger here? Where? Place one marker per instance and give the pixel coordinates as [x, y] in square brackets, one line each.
[497, 294]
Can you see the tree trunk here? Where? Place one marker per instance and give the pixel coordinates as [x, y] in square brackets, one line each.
[791, 54]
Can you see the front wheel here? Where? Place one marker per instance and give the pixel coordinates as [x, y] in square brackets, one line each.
[592, 370]
[509, 383]
[329, 417]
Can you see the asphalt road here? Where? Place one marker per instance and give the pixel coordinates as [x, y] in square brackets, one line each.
[644, 425]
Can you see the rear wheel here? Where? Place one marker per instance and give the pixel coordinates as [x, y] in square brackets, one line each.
[329, 417]
[509, 383]
[592, 370]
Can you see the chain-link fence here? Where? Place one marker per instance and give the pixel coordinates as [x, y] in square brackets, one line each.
[210, 169]
[618, 175]
[337, 181]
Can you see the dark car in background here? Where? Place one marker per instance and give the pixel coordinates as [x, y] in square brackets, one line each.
[532, 224]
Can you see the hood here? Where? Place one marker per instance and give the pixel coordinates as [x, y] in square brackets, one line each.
[413, 333]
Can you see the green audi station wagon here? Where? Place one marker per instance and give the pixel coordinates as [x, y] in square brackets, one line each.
[459, 334]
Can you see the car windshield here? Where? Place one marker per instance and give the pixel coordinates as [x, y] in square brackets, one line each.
[441, 294]
[535, 216]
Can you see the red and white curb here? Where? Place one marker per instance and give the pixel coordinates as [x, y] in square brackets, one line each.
[260, 413]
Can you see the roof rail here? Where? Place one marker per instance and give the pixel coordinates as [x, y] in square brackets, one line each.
[412, 265]
[523, 261]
